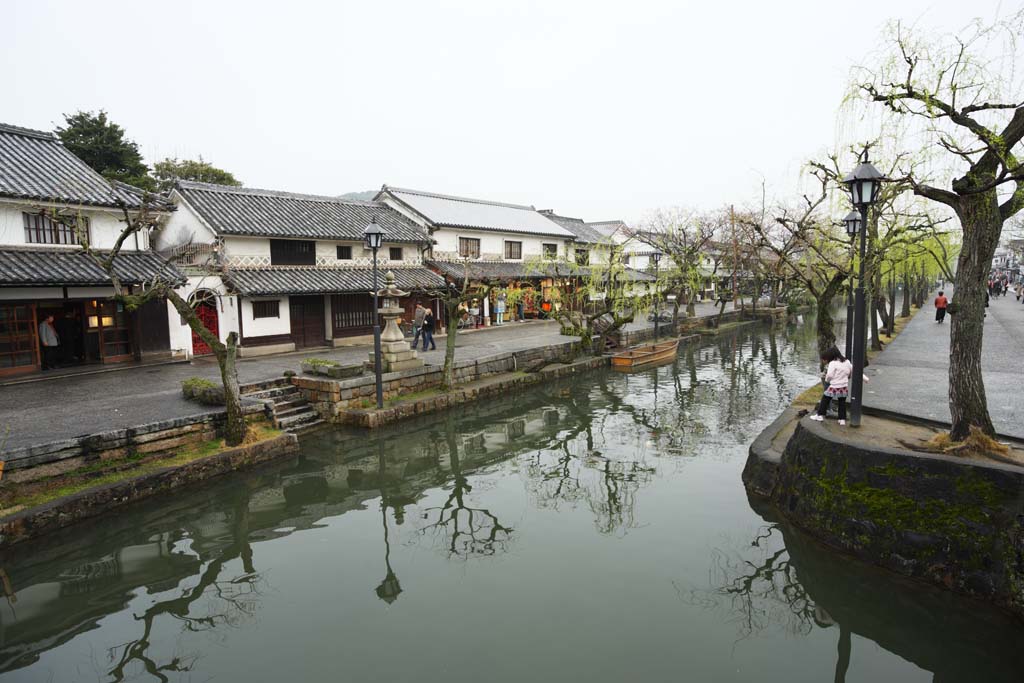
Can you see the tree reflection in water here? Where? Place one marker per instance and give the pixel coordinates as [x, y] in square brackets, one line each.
[466, 531]
[229, 601]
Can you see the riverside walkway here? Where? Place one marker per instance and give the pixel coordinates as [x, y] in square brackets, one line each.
[911, 375]
[57, 408]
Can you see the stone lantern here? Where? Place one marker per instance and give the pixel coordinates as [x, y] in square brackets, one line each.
[396, 354]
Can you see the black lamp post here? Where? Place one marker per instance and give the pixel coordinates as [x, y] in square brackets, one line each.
[374, 236]
[864, 185]
[655, 258]
[852, 222]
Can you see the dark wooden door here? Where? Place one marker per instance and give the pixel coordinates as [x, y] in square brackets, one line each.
[307, 320]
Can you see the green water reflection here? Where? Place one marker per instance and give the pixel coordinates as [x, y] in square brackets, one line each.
[588, 529]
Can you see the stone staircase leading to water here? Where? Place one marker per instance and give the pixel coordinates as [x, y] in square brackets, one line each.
[292, 411]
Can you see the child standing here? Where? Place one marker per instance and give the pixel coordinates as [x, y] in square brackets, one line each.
[837, 376]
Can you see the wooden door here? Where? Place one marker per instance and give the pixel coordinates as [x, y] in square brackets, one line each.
[307, 320]
[207, 312]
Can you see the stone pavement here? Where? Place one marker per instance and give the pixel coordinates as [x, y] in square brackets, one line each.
[911, 376]
[61, 408]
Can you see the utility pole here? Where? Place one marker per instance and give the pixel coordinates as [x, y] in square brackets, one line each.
[735, 257]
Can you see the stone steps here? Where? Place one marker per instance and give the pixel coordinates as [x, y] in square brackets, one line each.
[292, 412]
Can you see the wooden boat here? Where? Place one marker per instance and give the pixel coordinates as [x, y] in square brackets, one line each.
[647, 354]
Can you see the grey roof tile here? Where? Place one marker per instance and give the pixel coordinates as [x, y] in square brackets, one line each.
[73, 267]
[35, 165]
[269, 213]
[479, 214]
[311, 280]
[580, 230]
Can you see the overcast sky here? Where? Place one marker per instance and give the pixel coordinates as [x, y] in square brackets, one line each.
[598, 111]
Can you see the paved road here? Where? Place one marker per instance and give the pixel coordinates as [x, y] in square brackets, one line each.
[911, 376]
[61, 408]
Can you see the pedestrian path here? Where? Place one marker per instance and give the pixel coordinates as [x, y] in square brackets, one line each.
[911, 376]
[65, 407]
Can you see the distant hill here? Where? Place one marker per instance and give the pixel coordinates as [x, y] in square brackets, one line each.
[366, 196]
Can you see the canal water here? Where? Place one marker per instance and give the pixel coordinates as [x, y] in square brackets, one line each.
[593, 529]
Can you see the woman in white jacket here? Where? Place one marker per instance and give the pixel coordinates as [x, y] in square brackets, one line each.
[837, 376]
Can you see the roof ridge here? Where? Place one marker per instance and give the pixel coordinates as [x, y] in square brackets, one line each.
[470, 200]
[27, 132]
[285, 194]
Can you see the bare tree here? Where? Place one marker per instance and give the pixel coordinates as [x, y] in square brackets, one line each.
[683, 237]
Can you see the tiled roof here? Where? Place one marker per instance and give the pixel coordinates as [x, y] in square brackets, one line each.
[504, 270]
[581, 230]
[269, 213]
[616, 229]
[309, 280]
[73, 267]
[478, 214]
[35, 165]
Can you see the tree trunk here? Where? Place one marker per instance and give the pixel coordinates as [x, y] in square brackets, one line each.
[448, 373]
[876, 343]
[890, 323]
[982, 224]
[235, 428]
[825, 324]
[905, 311]
[226, 354]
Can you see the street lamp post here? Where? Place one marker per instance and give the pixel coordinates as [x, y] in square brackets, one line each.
[864, 184]
[852, 222]
[374, 236]
[655, 258]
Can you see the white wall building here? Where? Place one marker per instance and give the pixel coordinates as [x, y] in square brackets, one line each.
[49, 198]
[285, 271]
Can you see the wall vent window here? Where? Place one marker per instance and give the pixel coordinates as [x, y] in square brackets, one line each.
[345, 252]
[549, 250]
[513, 250]
[40, 229]
[395, 254]
[266, 309]
[469, 247]
[292, 253]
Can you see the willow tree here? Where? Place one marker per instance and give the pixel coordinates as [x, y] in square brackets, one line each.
[683, 236]
[594, 299]
[961, 95]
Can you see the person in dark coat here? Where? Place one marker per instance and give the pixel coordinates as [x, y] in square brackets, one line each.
[428, 330]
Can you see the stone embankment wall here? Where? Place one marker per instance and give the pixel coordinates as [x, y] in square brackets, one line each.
[952, 522]
[38, 521]
[690, 325]
[158, 438]
[333, 398]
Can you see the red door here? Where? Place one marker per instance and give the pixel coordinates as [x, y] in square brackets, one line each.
[207, 312]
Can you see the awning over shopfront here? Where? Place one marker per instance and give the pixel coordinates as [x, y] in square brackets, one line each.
[274, 281]
[75, 268]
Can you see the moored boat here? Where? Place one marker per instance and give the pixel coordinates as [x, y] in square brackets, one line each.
[646, 354]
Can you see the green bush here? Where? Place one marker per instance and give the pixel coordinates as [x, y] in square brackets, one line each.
[192, 386]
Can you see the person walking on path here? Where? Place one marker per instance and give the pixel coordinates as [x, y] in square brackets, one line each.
[428, 330]
[941, 302]
[837, 379]
[417, 325]
[50, 342]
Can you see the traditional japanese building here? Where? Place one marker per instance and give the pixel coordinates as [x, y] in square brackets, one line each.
[488, 240]
[285, 271]
[49, 201]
